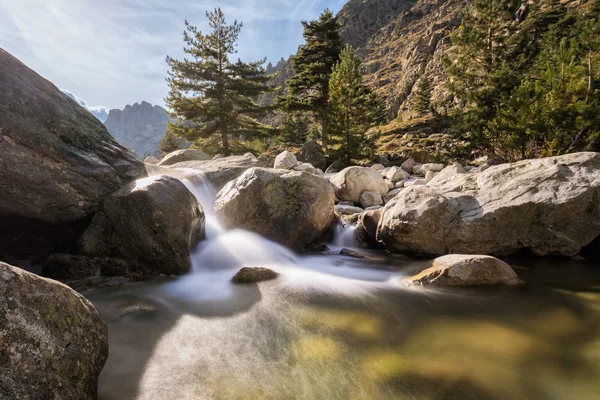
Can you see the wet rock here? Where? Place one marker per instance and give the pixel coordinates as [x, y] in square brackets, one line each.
[370, 198]
[288, 207]
[465, 270]
[67, 266]
[182, 156]
[312, 153]
[347, 209]
[253, 275]
[53, 344]
[550, 206]
[351, 182]
[152, 223]
[285, 160]
[221, 170]
[366, 228]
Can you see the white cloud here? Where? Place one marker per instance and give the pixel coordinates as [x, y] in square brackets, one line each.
[112, 52]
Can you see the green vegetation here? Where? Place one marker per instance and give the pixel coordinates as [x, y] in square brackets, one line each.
[354, 109]
[170, 142]
[213, 95]
[422, 103]
[308, 88]
[528, 87]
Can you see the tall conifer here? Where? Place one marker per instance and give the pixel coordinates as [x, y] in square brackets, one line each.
[213, 95]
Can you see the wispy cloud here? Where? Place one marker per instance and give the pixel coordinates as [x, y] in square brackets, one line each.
[112, 52]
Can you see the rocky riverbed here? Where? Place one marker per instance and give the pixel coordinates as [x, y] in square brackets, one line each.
[285, 277]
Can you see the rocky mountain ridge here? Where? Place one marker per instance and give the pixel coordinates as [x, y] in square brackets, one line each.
[140, 127]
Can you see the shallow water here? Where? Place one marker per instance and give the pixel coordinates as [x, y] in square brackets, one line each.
[332, 327]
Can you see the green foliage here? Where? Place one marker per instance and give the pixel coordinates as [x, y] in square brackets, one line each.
[213, 95]
[170, 143]
[354, 109]
[528, 87]
[294, 129]
[308, 88]
[422, 103]
[556, 108]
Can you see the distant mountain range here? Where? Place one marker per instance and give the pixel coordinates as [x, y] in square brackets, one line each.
[97, 111]
[140, 127]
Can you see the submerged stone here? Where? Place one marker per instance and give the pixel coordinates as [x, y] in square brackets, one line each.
[253, 275]
[465, 270]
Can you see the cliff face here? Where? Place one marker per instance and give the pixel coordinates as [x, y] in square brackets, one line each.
[139, 127]
[400, 42]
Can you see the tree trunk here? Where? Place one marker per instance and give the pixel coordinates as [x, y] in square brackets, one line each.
[225, 141]
[590, 78]
[324, 134]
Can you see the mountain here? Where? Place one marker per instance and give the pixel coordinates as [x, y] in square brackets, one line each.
[97, 111]
[139, 127]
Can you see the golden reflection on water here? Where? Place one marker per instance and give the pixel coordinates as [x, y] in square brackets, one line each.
[288, 350]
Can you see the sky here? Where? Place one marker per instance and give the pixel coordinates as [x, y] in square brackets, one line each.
[112, 52]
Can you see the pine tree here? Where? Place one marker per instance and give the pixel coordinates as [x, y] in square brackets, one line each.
[422, 103]
[354, 109]
[308, 88]
[293, 129]
[212, 94]
[485, 63]
[170, 142]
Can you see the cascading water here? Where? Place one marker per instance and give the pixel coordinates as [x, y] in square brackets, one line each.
[333, 328]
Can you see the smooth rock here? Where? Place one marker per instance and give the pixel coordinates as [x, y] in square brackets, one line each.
[53, 344]
[305, 167]
[221, 170]
[346, 203]
[550, 206]
[151, 160]
[153, 224]
[415, 182]
[421, 169]
[465, 270]
[396, 174]
[285, 160]
[370, 198]
[183, 155]
[335, 167]
[446, 173]
[347, 210]
[253, 275]
[288, 207]
[312, 153]
[366, 228]
[391, 194]
[377, 167]
[57, 163]
[389, 184]
[408, 165]
[352, 181]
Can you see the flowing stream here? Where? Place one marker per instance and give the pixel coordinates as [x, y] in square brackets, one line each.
[335, 327]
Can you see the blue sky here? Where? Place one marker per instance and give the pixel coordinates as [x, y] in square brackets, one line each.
[112, 52]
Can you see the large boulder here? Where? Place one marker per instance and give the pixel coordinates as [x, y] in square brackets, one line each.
[465, 270]
[57, 163]
[221, 170]
[549, 206]
[285, 160]
[152, 224]
[53, 344]
[352, 181]
[366, 228]
[312, 153]
[288, 207]
[178, 156]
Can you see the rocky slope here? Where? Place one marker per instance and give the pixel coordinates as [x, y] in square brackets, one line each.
[57, 163]
[139, 127]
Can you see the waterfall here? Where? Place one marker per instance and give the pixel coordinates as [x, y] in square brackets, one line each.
[344, 235]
